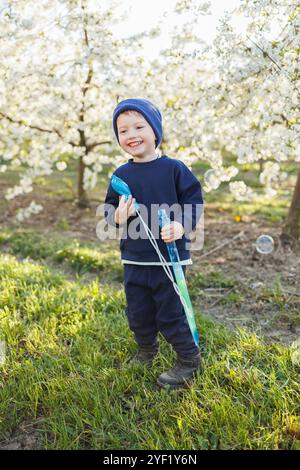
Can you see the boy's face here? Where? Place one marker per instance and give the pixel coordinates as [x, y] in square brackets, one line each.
[133, 128]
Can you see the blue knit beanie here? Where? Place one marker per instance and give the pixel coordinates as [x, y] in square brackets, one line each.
[150, 112]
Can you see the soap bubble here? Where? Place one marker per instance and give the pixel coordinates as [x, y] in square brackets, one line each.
[264, 244]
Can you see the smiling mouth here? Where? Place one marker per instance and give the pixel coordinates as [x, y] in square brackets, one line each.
[135, 144]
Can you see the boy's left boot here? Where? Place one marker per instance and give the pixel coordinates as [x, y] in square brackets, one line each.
[145, 354]
[179, 375]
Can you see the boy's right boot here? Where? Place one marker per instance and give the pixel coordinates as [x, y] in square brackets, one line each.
[145, 353]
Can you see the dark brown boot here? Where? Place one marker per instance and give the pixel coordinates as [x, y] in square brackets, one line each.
[179, 375]
[145, 354]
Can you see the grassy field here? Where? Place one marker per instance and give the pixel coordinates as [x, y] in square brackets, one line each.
[66, 374]
[64, 377]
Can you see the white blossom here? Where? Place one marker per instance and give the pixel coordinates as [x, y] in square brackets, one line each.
[25, 213]
[61, 166]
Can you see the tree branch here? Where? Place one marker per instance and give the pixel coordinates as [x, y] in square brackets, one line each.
[265, 54]
[92, 146]
[22, 123]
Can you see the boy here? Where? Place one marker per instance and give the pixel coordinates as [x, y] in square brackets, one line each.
[152, 304]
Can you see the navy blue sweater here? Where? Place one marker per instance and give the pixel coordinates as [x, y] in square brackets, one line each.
[165, 182]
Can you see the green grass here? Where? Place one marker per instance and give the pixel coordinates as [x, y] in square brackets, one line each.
[211, 279]
[81, 258]
[283, 303]
[216, 279]
[67, 344]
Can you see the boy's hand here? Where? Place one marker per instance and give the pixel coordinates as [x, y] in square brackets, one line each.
[172, 232]
[125, 210]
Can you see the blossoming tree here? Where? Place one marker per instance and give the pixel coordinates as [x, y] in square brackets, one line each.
[61, 73]
[249, 105]
[239, 96]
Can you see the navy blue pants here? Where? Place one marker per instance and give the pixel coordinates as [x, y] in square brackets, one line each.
[153, 306]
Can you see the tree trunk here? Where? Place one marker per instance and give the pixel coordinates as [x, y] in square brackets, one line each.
[291, 229]
[82, 196]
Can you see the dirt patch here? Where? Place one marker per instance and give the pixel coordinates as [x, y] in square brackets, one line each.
[27, 437]
[59, 214]
[269, 301]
